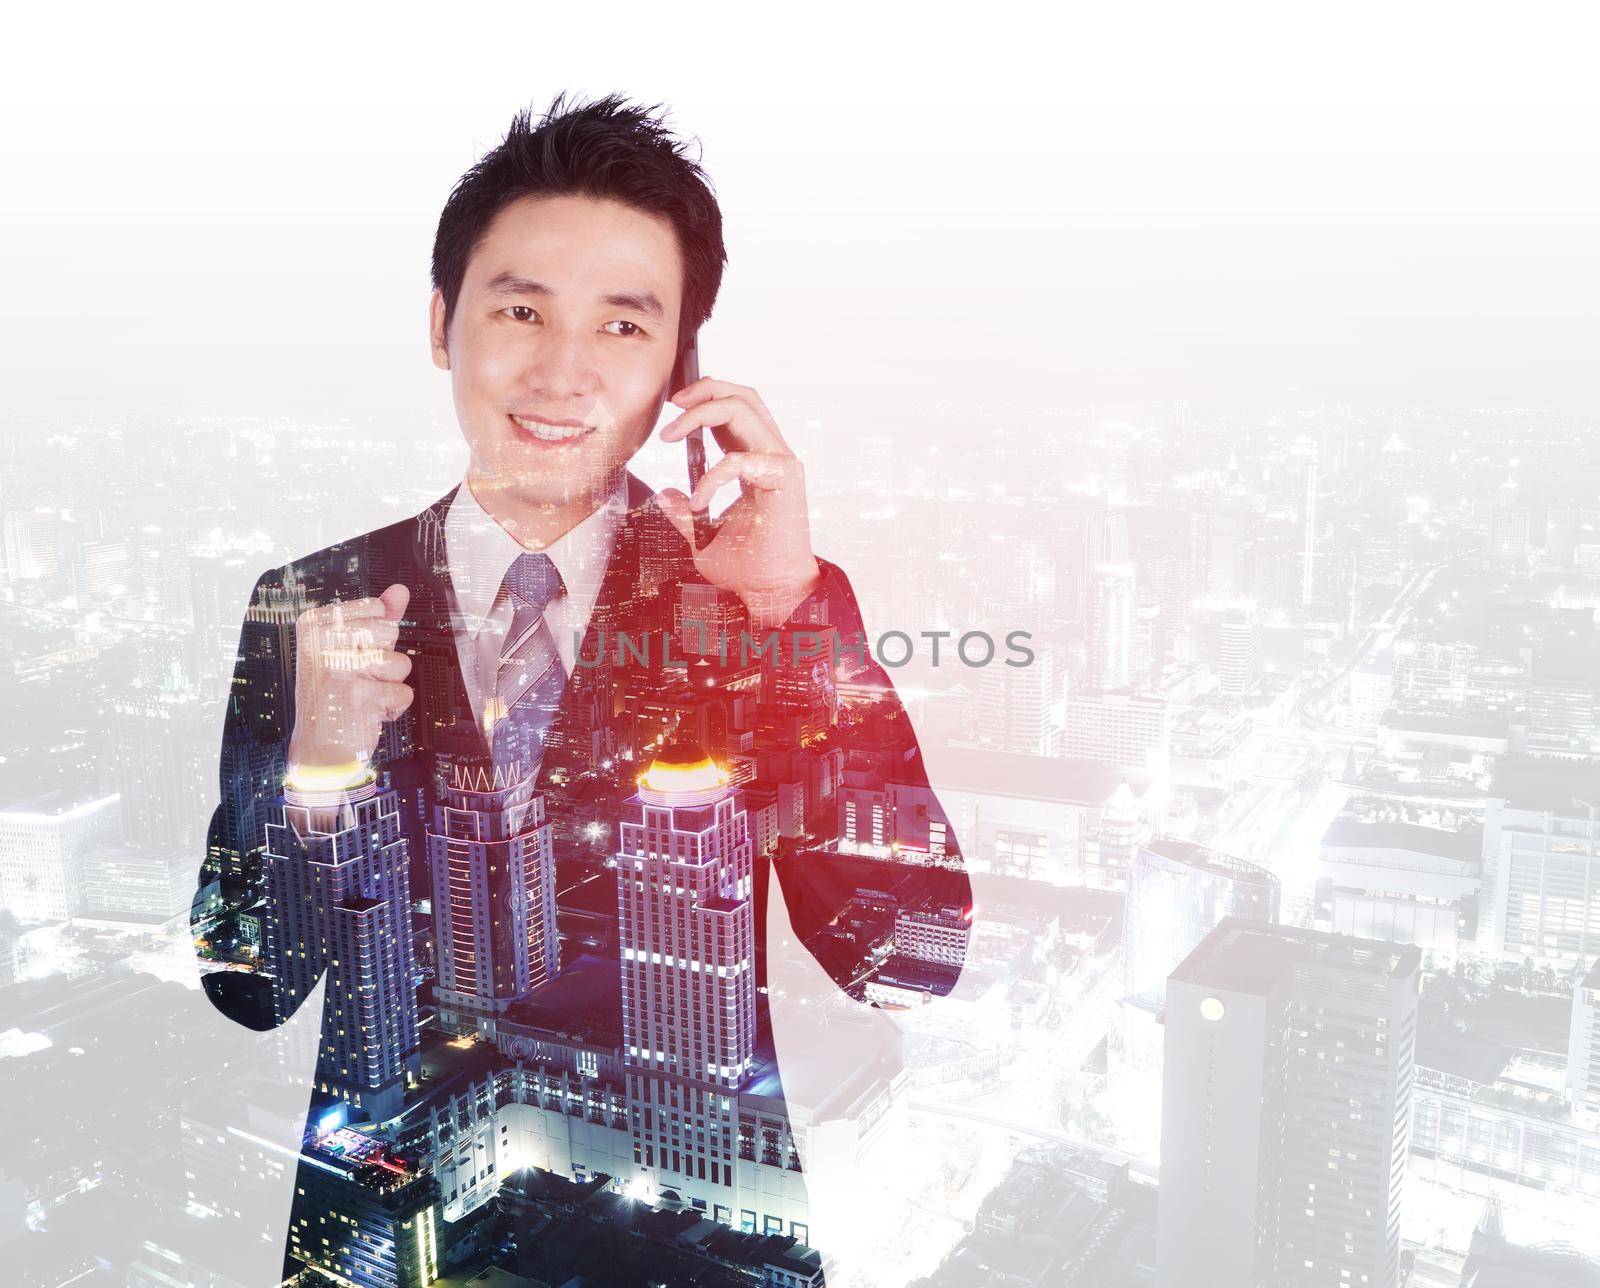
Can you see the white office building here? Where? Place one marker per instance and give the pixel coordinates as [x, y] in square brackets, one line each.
[933, 934]
[1286, 1110]
[1124, 727]
[686, 928]
[1541, 862]
[43, 841]
[1583, 1045]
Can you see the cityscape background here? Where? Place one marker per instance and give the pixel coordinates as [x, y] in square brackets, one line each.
[1249, 372]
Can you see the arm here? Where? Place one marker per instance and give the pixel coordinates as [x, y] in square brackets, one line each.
[818, 887]
[312, 688]
[762, 551]
[257, 774]
[255, 732]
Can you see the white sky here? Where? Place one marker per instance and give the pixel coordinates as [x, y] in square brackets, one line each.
[234, 210]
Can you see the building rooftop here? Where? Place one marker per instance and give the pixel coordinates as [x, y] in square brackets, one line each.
[1460, 726]
[360, 1157]
[914, 972]
[1496, 1264]
[1041, 778]
[1464, 844]
[1528, 782]
[583, 1002]
[1207, 860]
[1244, 956]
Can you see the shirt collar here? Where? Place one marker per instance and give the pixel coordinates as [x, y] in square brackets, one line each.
[480, 551]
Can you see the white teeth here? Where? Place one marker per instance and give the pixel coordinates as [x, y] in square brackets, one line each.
[552, 433]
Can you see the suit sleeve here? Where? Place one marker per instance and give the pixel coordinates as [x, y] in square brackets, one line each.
[250, 785]
[819, 886]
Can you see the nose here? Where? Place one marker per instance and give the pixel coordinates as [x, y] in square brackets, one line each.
[562, 367]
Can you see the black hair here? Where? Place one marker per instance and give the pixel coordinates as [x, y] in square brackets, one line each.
[607, 148]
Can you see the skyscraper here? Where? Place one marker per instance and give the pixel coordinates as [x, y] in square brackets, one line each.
[339, 900]
[1307, 453]
[1240, 649]
[1110, 628]
[1286, 1110]
[252, 776]
[708, 620]
[157, 766]
[43, 840]
[264, 679]
[687, 929]
[1178, 892]
[1105, 541]
[32, 544]
[494, 895]
[1015, 705]
[365, 1216]
[1583, 1044]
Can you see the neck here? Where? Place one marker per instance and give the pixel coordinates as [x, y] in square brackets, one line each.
[538, 524]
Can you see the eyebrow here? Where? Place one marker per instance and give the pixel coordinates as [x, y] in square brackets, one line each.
[639, 301]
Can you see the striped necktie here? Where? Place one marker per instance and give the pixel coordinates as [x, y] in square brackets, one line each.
[531, 678]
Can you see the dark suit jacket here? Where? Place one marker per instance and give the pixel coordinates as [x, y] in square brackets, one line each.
[605, 711]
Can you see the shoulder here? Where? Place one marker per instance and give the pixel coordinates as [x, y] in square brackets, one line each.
[359, 565]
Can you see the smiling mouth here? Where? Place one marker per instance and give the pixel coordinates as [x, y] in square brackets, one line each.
[542, 432]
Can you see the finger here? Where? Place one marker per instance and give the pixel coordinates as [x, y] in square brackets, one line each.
[695, 391]
[381, 634]
[732, 421]
[387, 666]
[372, 634]
[350, 656]
[385, 695]
[706, 388]
[334, 614]
[394, 601]
[675, 505]
[761, 470]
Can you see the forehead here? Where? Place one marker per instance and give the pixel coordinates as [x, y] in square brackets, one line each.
[580, 246]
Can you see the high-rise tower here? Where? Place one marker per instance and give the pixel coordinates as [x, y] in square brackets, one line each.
[494, 895]
[339, 900]
[1286, 1110]
[687, 932]
[1110, 628]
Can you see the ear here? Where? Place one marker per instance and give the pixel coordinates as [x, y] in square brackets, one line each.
[436, 333]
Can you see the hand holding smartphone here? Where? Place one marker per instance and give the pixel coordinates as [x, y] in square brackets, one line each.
[688, 372]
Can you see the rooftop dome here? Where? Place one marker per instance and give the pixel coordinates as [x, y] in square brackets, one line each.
[683, 766]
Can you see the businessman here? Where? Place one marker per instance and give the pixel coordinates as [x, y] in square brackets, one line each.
[547, 701]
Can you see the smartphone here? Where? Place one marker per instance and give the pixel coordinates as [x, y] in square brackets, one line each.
[687, 372]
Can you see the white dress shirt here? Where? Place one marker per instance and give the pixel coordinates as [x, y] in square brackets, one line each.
[479, 552]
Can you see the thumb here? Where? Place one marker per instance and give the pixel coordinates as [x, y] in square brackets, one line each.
[675, 505]
[395, 600]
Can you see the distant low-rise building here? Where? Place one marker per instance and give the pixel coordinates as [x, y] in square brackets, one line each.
[1388, 878]
[933, 934]
[1541, 862]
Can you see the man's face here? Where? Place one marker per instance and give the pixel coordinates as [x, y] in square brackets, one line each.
[568, 313]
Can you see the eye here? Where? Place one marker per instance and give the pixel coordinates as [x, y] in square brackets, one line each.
[634, 328]
[521, 312]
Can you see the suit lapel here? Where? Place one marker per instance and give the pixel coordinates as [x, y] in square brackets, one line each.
[441, 713]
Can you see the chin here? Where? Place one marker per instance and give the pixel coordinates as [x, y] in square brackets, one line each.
[540, 485]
